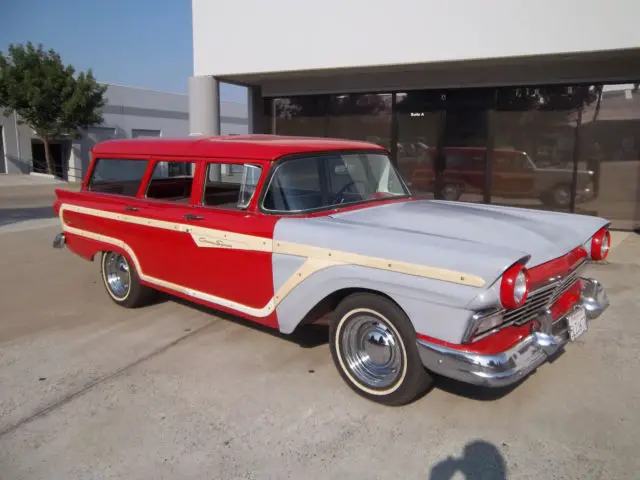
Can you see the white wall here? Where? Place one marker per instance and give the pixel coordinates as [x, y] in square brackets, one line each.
[257, 36]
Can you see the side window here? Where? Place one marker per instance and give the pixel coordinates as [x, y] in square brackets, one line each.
[171, 181]
[230, 185]
[117, 175]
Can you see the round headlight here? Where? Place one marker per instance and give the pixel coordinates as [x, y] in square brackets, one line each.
[514, 287]
[600, 244]
[520, 287]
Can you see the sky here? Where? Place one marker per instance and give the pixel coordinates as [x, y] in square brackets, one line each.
[139, 43]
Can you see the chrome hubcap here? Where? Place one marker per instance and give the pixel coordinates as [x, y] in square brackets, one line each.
[371, 351]
[116, 272]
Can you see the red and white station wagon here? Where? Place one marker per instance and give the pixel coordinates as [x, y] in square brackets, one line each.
[288, 231]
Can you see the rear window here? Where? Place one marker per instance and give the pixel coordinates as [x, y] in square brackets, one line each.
[119, 176]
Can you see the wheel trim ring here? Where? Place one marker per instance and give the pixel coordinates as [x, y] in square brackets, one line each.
[403, 353]
[110, 275]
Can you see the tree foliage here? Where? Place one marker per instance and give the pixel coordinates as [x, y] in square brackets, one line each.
[47, 94]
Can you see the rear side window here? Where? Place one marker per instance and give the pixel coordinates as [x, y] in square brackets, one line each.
[119, 176]
[172, 181]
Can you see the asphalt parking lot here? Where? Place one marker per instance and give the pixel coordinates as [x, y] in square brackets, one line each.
[91, 390]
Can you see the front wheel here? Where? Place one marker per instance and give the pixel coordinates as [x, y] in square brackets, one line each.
[373, 346]
[122, 282]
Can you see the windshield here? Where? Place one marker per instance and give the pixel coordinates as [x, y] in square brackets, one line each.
[327, 181]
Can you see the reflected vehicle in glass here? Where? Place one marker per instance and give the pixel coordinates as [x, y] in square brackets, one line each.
[514, 175]
[293, 231]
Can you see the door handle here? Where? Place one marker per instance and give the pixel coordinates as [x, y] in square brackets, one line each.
[189, 216]
[129, 208]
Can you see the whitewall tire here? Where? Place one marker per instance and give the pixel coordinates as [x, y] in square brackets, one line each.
[121, 281]
[373, 346]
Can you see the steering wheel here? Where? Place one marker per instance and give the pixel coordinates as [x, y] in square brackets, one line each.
[339, 195]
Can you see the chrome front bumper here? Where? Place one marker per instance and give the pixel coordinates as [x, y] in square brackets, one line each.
[508, 367]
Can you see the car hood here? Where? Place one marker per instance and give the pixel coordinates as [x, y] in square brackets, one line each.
[543, 235]
[476, 239]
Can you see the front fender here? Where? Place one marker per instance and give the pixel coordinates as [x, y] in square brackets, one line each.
[435, 308]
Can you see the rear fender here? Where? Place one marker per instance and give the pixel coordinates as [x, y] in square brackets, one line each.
[89, 248]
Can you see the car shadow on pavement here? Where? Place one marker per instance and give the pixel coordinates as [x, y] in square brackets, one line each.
[9, 216]
[307, 336]
[316, 335]
[474, 392]
[479, 460]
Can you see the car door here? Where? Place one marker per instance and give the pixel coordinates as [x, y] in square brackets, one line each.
[228, 261]
[165, 200]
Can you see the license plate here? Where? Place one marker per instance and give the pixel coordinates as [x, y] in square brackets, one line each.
[577, 322]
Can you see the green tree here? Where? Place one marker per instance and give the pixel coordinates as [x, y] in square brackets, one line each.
[47, 95]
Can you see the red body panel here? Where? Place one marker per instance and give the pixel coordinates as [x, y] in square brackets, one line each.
[541, 274]
[241, 276]
[170, 256]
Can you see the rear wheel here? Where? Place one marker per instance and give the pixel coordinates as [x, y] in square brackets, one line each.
[373, 346]
[122, 282]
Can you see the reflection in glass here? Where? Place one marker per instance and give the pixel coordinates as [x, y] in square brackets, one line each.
[464, 143]
[299, 116]
[534, 136]
[610, 149]
[364, 117]
[442, 139]
[419, 119]
[554, 147]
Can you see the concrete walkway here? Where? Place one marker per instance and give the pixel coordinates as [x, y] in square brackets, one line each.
[92, 390]
[28, 180]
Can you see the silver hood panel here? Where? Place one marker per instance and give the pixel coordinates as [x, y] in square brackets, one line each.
[541, 234]
[475, 239]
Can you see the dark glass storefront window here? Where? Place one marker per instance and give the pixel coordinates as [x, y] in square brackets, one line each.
[361, 117]
[561, 147]
[299, 116]
[419, 117]
[610, 150]
[534, 132]
[442, 142]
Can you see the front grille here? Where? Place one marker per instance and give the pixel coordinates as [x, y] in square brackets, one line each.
[542, 298]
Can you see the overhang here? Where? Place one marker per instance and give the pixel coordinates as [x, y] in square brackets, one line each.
[617, 66]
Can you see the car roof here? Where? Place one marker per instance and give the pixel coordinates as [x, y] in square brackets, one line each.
[256, 146]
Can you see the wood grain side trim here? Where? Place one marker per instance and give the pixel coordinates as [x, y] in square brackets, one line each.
[379, 263]
[317, 258]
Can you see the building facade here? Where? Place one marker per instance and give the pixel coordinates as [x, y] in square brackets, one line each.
[532, 105]
[129, 113]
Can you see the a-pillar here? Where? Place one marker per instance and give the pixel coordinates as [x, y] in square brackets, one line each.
[204, 112]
